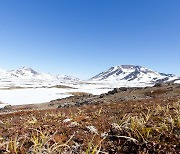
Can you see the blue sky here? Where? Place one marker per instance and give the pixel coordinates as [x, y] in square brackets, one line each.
[85, 37]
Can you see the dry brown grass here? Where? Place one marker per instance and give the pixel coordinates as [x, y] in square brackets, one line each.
[146, 126]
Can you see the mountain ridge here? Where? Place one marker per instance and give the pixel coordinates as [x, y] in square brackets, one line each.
[133, 73]
[29, 73]
[120, 73]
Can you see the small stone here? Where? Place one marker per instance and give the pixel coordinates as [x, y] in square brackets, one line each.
[73, 124]
[92, 129]
[66, 120]
[103, 135]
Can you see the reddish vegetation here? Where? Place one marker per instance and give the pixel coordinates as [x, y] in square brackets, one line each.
[135, 126]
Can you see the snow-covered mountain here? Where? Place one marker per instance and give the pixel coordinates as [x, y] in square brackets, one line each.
[133, 74]
[29, 73]
[24, 72]
[123, 75]
[28, 76]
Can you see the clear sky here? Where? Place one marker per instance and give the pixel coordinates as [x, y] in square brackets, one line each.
[85, 37]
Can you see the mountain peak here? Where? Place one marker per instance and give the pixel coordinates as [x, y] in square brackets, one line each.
[28, 73]
[132, 73]
[26, 68]
[129, 67]
[24, 71]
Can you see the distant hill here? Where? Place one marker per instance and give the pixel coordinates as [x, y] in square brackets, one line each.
[133, 74]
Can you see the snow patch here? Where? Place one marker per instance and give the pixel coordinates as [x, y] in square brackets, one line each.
[178, 81]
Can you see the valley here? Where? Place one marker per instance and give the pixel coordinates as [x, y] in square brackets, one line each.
[126, 109]
[27, 86]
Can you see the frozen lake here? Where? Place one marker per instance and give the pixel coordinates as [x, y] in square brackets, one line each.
[31, 95]
[41, 95]
[34, 95]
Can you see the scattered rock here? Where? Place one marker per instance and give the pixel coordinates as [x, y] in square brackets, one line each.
[103, 135]
[7, 107]
[158, 85]
[66, 120]
[114, 91]
[73, 124]
[123, 89]
[69, 104]
[102, 95]
[92, 129]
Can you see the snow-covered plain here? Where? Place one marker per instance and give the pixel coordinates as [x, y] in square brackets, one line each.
[31, 95]
[178, 81]
[42, 95]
